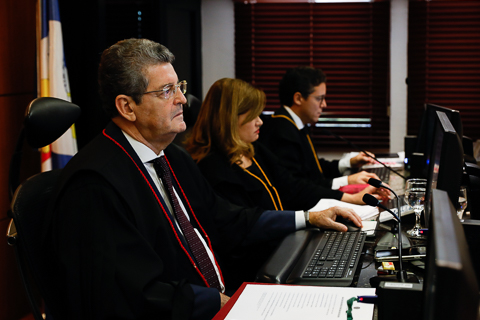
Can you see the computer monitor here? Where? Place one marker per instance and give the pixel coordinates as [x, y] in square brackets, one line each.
[445, 167]
[427, 127]
[450, 287]
[428, 122]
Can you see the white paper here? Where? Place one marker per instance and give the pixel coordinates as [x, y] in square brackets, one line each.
[369, 227]
[281, 302]
[365, 212]
[385, 215]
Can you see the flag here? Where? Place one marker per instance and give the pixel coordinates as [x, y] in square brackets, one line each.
[53, 79]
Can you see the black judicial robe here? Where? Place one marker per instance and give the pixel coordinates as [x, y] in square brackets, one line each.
[291, 146]
[116, 253]
[240, 187]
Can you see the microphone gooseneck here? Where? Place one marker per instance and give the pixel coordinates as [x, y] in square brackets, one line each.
[379, 184]
[330, 133]
[372, 201]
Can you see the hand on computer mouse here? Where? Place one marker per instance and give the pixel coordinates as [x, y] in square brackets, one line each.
[327, 218]
[349, 224]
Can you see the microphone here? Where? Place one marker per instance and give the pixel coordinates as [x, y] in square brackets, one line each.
[330, 133]
[379, 184]
[389, 238]
[372, 201]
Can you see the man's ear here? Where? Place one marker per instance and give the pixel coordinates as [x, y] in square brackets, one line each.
[126, 107]
[297, 98]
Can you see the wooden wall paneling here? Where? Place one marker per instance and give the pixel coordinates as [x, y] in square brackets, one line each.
[17, 41]
[17, 89]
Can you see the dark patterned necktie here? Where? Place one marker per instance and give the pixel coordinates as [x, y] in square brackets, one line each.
[196, 246]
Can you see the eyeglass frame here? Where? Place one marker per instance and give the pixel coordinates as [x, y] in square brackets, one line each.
[173, 87]
[320, 98]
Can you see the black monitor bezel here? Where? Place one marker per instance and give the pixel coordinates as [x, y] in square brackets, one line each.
[450, 285]
[427, 127]
[446, 162]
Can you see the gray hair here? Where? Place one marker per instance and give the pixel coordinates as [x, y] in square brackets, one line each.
[122, 70]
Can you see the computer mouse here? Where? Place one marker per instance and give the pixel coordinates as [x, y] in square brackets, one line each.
[350, 225]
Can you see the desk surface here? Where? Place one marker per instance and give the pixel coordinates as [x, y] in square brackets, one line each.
[370, 266]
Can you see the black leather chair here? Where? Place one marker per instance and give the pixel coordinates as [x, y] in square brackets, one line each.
[45, 121]
[191, 110]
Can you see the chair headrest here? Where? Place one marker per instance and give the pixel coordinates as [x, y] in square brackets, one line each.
[47, 118]
[190, 112]
[192, 101]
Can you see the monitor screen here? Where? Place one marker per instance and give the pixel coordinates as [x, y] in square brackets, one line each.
[445, 167]
[427, 127]
[450, 287]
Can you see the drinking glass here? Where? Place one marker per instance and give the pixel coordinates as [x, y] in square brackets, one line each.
[415, 197]
[462, 202]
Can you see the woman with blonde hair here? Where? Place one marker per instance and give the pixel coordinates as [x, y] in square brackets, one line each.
[224, 144]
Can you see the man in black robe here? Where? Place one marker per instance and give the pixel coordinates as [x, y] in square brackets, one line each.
[302, 92]
[119, 245]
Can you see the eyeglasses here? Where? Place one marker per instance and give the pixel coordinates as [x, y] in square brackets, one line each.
[170, 90]
[319, 98]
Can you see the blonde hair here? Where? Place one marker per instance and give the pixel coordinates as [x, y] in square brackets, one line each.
[217, 123]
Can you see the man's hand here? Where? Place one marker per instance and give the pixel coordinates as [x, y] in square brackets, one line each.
[223, 300]
[357, 198]
[326, 218]
[362, 159]
[361, 177]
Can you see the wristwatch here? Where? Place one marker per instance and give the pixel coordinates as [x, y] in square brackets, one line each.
[307, 218]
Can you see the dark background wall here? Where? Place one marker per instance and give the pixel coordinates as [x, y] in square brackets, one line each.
[91, 26]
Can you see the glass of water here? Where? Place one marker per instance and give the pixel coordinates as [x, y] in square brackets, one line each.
[462, 202]
[415, 197]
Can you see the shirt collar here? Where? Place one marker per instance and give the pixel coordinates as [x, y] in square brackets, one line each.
[296, 118]
[144, 153]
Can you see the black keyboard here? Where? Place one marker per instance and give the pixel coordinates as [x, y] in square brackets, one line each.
[382, 172]
[330, 259]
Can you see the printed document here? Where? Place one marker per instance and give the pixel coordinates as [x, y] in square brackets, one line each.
[283, 302]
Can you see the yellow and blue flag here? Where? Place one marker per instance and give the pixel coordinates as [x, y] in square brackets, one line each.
[53, 79]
